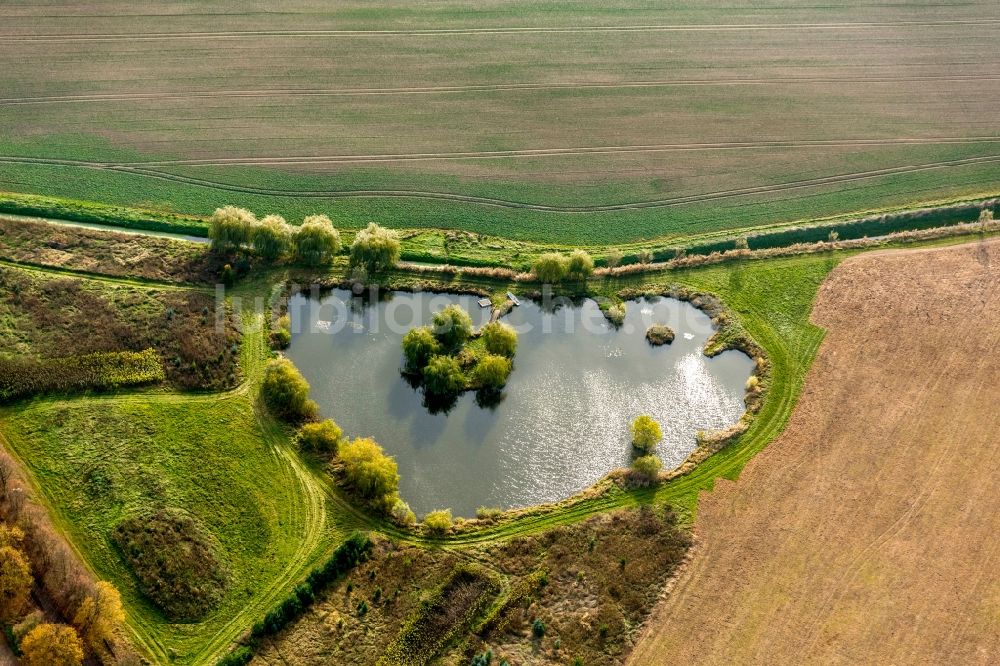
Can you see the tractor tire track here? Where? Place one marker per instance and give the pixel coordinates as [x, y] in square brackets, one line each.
[499, 30]
[513, 204]
[500, 87]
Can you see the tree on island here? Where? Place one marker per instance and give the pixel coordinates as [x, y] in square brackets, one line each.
[443, 375]
[646, 433]
[500, 339]
[419, 345]
[452, 326]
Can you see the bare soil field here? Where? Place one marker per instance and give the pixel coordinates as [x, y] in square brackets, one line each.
[866, 533]
[564, 107]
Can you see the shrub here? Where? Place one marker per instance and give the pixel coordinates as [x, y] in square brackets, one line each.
[402, 513]
[15, 583]
[538, 628]
[230, 228]
[580, 265]
[175, 562]
[659, 334]
[646, 433]
[438, 521]
[647, 466]
[500, 339]
[615, 313]
[492, 371]
[322, 437]
[370, 472]
[271, 237]
[550, 267]
[286, 392]
[52, 645]
[281, 336]
[317, 242]
[483, 659]
[419, 345]
[375, 248]
[488, 513]
[614, 257]
[452, 326]
[443, 375]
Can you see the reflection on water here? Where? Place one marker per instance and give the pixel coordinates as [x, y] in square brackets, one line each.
[563, 420]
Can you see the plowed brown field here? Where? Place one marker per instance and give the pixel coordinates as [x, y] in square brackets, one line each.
[867, 532]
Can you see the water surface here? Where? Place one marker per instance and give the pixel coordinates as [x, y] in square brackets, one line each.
[563, 422]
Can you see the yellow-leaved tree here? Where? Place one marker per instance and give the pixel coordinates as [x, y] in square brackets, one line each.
[52, 645]
[100, 614]
[15, 583]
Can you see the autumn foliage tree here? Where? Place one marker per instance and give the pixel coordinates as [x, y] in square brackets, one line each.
[52, 645]
[15, 583]
[100, 614]
[370, 471]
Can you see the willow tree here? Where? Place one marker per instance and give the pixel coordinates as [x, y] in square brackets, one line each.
[551, 267]
[317, 242]
[646, 433]
[271, 238]
[375, 248]
[230, 228]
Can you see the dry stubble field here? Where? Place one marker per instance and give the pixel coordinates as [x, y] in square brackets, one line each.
[458, 114]
[866, 533]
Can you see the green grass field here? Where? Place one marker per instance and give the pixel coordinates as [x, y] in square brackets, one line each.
[591, 124]
[97, 460]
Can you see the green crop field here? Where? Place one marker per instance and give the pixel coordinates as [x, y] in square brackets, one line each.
[584, 123]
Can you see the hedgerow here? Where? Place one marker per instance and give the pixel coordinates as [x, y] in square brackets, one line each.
[348, 555]
[20, 376]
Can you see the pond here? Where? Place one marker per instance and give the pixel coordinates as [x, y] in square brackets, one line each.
[563, 422]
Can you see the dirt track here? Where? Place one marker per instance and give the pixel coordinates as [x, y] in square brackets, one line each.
[867, 532]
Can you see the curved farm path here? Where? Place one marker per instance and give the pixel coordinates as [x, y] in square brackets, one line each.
[866, 532]
[139, 169]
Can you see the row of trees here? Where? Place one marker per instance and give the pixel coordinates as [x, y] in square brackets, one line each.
[315, 242]
[371, 473]
[96, 618]
[91, 610]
